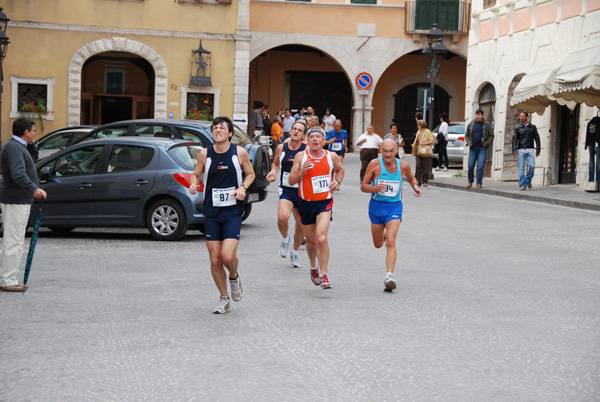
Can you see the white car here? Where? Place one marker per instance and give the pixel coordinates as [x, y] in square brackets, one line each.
[456, 143]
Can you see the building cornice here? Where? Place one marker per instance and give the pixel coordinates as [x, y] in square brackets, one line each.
[336, 5]
[120, 31]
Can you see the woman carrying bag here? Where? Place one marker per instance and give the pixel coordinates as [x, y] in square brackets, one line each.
[423, 151]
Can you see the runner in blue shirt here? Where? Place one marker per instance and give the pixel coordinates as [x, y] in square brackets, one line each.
[383, 179]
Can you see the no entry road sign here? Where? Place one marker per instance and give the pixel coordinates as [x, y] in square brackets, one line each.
[364, 80]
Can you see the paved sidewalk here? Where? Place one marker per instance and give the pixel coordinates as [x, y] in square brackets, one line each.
[564, 195]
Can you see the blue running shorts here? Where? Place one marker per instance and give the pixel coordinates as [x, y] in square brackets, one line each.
[223, 227]
[290, 194]
[381, 212]
[308, 210]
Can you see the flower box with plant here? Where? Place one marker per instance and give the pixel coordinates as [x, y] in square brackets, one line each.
[204, 114]
[35, 109]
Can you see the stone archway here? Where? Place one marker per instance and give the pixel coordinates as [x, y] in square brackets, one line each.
[119, 45]
[415, 79]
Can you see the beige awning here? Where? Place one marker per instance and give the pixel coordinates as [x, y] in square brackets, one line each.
[532, 92]
[578, 79]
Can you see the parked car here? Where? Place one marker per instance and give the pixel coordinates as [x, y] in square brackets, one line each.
[130, 182]
[456, 143]
[60, 139]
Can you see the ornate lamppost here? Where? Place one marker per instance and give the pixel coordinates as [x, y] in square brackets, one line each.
[433, 57]
[3, 47]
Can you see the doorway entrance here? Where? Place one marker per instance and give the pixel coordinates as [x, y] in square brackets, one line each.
[405, 107]
[322, 90]
[487, 103]
[116, 86]
[567, 144]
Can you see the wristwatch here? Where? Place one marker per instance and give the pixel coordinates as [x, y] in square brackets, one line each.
[245, 188]
[339, 181]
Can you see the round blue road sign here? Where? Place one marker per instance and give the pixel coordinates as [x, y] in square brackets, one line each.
[364, 80]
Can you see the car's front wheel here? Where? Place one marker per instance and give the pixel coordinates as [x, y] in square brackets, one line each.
[166, 220]
[247, 210]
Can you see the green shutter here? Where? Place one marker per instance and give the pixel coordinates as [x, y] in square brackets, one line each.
[442, 12]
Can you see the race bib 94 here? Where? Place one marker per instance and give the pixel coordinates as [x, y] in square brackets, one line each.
[391, 188]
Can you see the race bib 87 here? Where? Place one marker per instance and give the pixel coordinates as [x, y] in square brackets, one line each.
[223, 197]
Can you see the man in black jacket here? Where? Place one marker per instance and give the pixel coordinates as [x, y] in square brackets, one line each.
[19, 187]
[523, 149]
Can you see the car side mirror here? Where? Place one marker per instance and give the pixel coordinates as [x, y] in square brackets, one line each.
[45, 174]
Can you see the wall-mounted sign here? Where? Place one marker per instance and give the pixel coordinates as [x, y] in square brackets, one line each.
[202, 65]
[240, 118]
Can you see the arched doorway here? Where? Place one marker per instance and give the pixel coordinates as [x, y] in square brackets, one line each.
[487, 103]
[116, 86]
[405, 107]
[296, 75]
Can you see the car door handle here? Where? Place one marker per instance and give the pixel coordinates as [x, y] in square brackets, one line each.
[141, 182]
[84, 185]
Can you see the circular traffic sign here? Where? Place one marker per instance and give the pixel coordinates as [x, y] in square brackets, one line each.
[364, 80]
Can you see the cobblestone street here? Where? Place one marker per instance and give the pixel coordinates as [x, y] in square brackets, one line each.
[497, 300]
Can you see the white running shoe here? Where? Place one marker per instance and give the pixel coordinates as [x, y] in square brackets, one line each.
[237, 290]
[294, 261]
[284, 248]
[222, 306]
[445, 168]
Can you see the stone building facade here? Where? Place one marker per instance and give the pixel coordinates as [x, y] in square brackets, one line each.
[510, 39]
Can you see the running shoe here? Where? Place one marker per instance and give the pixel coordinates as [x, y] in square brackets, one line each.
[390, 284]
[223, 305]
[294, 261]
[314, 276]
[284, 248]
[325, 282]
[237, 290]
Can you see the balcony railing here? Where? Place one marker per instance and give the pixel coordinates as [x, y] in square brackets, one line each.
[452, 16]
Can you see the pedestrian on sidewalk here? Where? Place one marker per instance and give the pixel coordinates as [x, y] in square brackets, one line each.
[313, 170]
[423, 152]
[20, 186]
[369, 150]
[524, 136]
[442, 142]
[221, 165]
[383, 179]
[395, 135]
[478, 137]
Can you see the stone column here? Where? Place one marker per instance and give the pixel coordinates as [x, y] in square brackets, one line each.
[242, 61]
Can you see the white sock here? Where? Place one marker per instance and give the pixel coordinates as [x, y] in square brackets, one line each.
[313, 268]
[293, 252]
[286, 239]
[389, 275]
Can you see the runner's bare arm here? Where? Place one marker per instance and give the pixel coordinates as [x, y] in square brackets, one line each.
[407, 173]
[272, 175]
[297, 171]
[240, 192]
[372, 173]
[198, 170]
[338, 168]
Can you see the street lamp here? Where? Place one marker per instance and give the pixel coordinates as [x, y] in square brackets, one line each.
[433, 57]
[3, 47]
